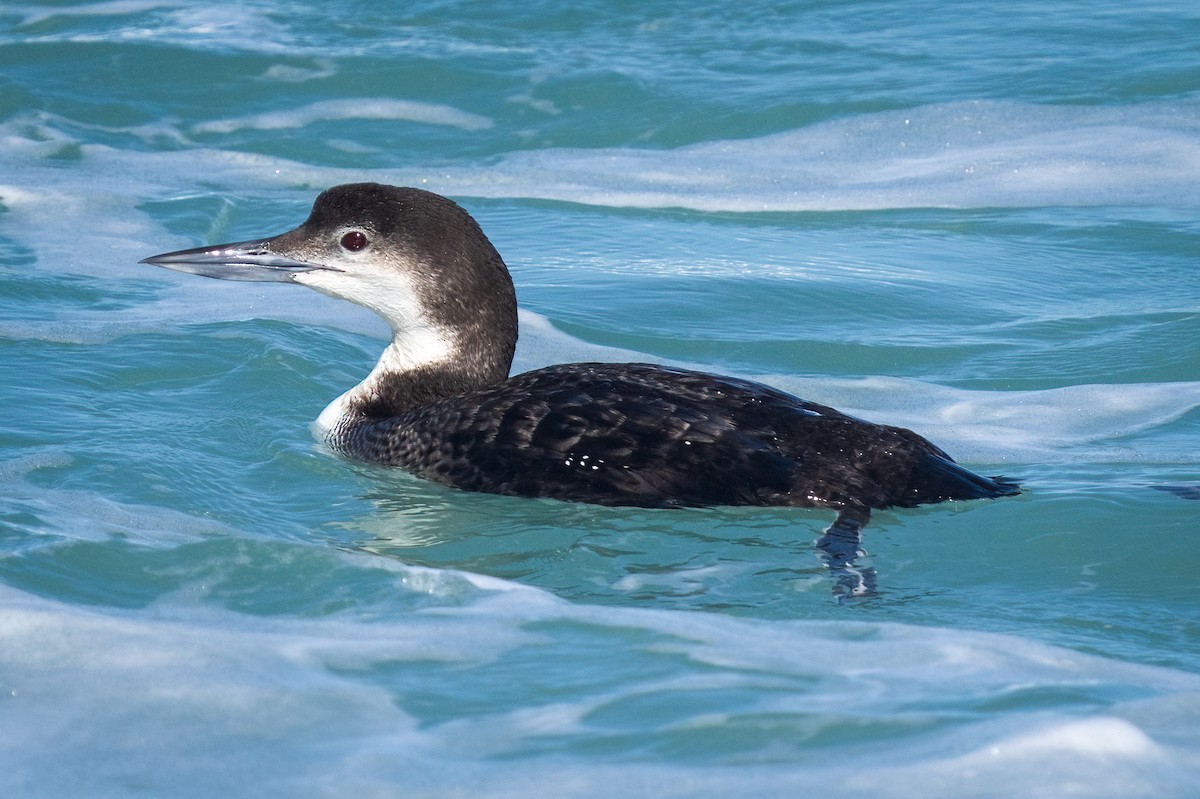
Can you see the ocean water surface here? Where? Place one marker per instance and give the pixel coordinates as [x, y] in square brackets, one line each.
[977, 221]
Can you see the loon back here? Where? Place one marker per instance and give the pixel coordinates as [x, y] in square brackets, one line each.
[440, 404]
[646, 435]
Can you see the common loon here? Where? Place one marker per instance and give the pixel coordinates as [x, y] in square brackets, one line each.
[440, 403]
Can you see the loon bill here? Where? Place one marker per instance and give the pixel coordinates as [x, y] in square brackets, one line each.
[440, 403]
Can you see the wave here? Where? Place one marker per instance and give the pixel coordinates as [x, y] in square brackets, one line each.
[329, 705]
[980, 154]
[350, 108]
[983, 154]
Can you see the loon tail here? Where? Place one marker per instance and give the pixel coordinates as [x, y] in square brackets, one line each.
[938, 478]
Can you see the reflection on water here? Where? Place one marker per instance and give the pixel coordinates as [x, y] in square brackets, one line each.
[711, 558]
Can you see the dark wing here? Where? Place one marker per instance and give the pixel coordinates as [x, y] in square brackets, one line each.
[638, 434]
[626, 434]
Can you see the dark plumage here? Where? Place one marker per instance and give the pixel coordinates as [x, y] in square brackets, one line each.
[639, 434]
[440, 403]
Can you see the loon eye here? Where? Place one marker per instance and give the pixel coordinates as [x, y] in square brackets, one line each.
[354, 241]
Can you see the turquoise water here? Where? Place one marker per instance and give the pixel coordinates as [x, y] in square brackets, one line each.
[978, 221]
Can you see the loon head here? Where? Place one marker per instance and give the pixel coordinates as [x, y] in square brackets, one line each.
[415, 258]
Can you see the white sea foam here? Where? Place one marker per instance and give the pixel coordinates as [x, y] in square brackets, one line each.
[351, 108]
[1071, 422]
[974, 154]
[32, 15]
[193, 25]
[977, 154]
[305, 707]
[284, 73]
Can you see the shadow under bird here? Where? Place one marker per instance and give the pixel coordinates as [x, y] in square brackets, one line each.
[440, 402]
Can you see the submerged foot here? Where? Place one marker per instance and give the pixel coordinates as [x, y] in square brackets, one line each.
[841, 548]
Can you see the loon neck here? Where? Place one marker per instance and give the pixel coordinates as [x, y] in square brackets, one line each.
[418, 367]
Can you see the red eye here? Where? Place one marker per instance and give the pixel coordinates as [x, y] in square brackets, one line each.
[354, 241]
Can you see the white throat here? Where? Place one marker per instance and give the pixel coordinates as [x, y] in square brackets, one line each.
[388, 290]
[410, 350]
